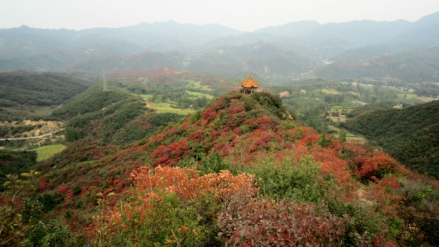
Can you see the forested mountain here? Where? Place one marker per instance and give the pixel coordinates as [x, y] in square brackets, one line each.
[40, 89]
[285, 50]
[413, 67]
[410, 135]
[261, 58]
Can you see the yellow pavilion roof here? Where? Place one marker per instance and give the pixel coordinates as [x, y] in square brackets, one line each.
[249, 82]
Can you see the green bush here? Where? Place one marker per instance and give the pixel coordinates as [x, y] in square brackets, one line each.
[292, 182]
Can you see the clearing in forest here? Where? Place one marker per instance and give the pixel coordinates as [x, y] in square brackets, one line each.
[46, 152]
[330, 91]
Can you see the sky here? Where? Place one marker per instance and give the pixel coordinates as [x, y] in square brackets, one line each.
[244, 15]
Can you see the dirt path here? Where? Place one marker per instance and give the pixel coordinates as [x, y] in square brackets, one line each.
[32, 137]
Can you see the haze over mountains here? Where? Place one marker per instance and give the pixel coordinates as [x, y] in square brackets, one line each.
[286, 50]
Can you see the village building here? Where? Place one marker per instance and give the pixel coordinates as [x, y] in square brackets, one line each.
[248, 86]
[284, 94]
[398, 106]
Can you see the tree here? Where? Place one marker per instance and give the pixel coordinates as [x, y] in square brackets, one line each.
[342, 135]
[71, 134]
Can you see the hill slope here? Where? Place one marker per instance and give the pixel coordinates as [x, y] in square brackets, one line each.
[40, 89]
[242, 161]
[410, 135]
[115, 116]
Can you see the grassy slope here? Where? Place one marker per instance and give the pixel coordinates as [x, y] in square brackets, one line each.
[46, 152]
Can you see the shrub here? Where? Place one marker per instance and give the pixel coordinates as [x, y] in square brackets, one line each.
[266, 223]
[291, 182]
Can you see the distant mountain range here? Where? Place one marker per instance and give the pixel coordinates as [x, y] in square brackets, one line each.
[285, 50]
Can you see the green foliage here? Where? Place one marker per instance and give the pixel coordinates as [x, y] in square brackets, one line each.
[213, 163]
[15, 223]
[410, 135]
[71, 134]
[91, 100]
[323, 141]
[164, 118]
[15, 162]
[39, 89]
[292, 182]
[342, 135]
[52, 235]
[111, 117]
[22, 222]
[363, 223]
[49, 201]
[170, 221]
[196, 116]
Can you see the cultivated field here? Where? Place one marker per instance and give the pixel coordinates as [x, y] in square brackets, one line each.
[46, 152]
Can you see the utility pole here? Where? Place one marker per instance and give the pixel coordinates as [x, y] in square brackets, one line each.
[105, 89]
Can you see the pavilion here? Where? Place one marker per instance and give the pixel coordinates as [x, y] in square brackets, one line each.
[249, 85]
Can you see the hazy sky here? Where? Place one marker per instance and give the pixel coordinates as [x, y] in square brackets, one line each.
[245, 15]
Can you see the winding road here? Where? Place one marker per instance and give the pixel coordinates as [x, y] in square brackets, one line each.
[32, 137]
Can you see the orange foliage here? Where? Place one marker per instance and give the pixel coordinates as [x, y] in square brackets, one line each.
[332, 164]
[187, 184]
[378, 164]
[184, 182]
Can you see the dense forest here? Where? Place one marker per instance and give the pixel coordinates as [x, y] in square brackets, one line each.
[411, 135]
[38, 89]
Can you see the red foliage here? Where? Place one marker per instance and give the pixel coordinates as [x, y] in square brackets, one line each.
[235, 107]
[209, 114]
[197, 136]
[185, 183]
[265, 223]
[377, 165]
[332, 164]
[167, 155]
[262, 142]
[391, 182]
[262, 123]
[63, 189]
[310, 138]
[42, 183]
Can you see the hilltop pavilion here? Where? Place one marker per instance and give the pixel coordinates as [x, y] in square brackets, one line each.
[249, 85]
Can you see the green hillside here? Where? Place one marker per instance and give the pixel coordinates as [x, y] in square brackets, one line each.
[411, 135]
[39, 89]
[114, 116]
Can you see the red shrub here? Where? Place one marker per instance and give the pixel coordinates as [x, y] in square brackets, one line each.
[262, 142]
[209, 114]
[378, 165]
[63, 189]
[265, 223]
[42, 183]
